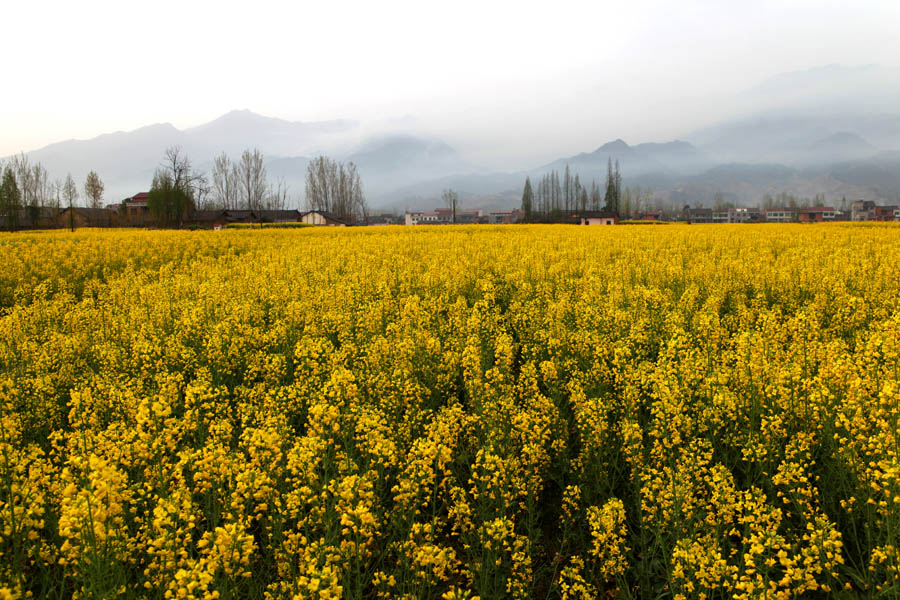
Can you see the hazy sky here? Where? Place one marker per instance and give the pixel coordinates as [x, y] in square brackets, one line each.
[522, 75]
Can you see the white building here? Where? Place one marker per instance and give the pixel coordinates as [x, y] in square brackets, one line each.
[780, 215]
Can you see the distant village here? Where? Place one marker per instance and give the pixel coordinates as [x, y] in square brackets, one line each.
[859, 210]
[134, 212]
[239, 194]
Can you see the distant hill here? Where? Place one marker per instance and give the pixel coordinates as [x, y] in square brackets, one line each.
[799, 139]
[676, 157]
[240, 129]
[126, 160]
[831, 129]
[880, 173]
[841, 146]
[876, 178]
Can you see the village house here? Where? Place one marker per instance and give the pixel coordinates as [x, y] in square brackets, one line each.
[739, 215]
[240, 216]
[862, 210]
[431, 217]
[596, 217]
[444, 216]
[470, 217]
[278, 216]
[780, 215]
[206, 219]
[382, 219]
[817, 214]
[699, 215]
[136, 212]
[887, 213]
[506, 217]
[321, 217]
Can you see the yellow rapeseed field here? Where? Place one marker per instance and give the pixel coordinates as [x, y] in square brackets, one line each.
[451, 412]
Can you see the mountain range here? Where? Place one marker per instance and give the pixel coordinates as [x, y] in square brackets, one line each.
[803, 133]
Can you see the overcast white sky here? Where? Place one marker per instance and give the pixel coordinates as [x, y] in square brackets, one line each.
[554, 74]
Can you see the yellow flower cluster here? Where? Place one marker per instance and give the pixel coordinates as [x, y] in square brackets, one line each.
[451, 413]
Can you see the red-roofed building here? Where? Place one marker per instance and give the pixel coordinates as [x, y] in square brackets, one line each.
[817, 214]
[887, 213]
[136, 211]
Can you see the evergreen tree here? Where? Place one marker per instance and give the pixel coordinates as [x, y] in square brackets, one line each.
[10, 199]
[612, 191]
[618, 183]
[527, 199]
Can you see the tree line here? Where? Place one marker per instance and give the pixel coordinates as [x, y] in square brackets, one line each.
[28, 195]
[331, 186]
[245, 185]
[557, 196]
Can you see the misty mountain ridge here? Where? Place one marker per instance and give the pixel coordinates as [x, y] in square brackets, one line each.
[126, 160]
[806, 130]
[842, 146]
[800, 139]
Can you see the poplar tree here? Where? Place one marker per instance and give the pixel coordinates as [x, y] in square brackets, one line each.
[70, 193]
[595, 196]
[613, 186]
[93, 190]
[527, 199]
[10, 199]
[451, 201]
[334, 187]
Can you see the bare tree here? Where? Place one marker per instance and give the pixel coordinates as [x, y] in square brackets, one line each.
[451, 201]
[55, 203]
[93, 190]
[252, 180]
[278, 195]
[10, 198]
[336, 188]
[224, 183]
[175, 188]
[42, 186]
[321, 176]
[38, 193]
[178, 166]
[70, 195]
[202, 191]
[22, 171]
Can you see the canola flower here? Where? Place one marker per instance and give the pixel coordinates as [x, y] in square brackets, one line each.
[451, 413]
